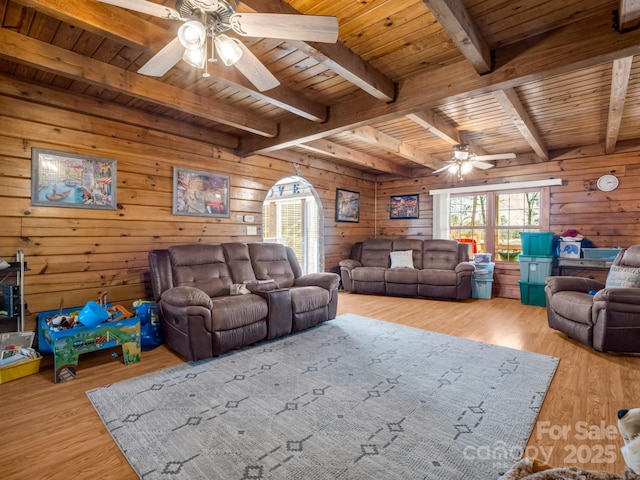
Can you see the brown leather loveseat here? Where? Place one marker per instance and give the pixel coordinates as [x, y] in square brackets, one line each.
[410, 268]
[192, 285]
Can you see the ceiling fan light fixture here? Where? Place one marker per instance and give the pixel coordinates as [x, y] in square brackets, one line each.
[466, 167]
[228, 49]
[461, 152]
[196, 58]
[192, 35]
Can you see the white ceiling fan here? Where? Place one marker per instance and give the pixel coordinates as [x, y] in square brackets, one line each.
[202, 35]
[463, 160]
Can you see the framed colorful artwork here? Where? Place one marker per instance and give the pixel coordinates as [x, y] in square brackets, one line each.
[60, 179]
[347, 206]
[403, 206]
[200, 194]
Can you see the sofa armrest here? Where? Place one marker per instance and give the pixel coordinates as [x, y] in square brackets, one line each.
[629, 296]
[350, 264]
[465, 267]
[260, 286]
[279, 320]
[573, 284]
[326, 280]
[186, 297]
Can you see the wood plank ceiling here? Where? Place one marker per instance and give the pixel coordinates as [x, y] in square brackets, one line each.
[406, 80]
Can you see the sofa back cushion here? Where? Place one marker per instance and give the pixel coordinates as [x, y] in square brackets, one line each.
[270, 261]
[440, 254]
[239, 262]
[630, 257]
[416, 250]
[375, 253]
[201, 266]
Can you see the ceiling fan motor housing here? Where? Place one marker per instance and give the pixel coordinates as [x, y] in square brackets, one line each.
[220, 16]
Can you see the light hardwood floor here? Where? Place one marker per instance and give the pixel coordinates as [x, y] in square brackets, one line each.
[52, 431]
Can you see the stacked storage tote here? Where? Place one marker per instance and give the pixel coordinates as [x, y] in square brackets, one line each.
[482, 280]
[536, 262]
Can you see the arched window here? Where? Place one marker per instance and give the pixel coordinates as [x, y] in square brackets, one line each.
[292, 215]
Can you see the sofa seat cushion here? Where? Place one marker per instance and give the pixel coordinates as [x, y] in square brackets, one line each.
[401, 275]
[368, 274]
[307, 299]
[237, 311]
[576, 306]
[434, 276]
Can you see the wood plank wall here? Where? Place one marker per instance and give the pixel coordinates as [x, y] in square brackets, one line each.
[72, 254]
[75, 253]
[608, 219]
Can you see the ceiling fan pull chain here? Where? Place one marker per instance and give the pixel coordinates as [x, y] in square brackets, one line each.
[209, 57]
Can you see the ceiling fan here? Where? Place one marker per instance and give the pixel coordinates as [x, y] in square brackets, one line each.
[202, 35]
[463, 160]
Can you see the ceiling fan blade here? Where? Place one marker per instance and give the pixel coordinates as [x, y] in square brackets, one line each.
[446, 167]
[149, 8]
[164, 60]
[497, 156]
[255, 71]
[311, 28]
[481, 165]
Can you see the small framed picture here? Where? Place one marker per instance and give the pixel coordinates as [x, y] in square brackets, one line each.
[404, 206]
[200, 194]
[347, 206]
[60, 179]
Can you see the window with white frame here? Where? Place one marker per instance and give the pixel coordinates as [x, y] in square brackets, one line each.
[492, 222]
[490, 219]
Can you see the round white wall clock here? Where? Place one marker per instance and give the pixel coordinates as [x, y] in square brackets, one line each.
[606, 183]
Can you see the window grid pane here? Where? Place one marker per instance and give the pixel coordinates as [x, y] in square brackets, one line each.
[512, 213]
[291, 226]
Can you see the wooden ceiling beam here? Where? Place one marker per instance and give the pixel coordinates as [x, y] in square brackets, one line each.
[510, 102]
[41, 55]
[437, 125]
[570, 48]
[628, 14]
[391, 144]
[456, 21]
[619, 82]
[122, 26]
[350, 155]
[335, 56]
[309, 160]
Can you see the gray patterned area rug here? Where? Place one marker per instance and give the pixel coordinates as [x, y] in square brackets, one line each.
[353, 399]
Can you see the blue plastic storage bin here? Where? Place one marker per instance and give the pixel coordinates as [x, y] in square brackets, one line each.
[481, 288]
[532, 294]
[483, 270]
[535, 269]
[537, 243]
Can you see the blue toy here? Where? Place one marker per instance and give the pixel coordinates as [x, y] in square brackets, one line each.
[150, 331]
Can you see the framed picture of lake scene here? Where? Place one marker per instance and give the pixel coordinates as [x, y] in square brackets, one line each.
[61, 179]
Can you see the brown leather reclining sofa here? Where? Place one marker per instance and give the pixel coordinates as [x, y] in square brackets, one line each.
[192, 286]
[437, 269]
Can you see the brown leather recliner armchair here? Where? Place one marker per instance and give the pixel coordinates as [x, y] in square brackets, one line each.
[608, 321]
